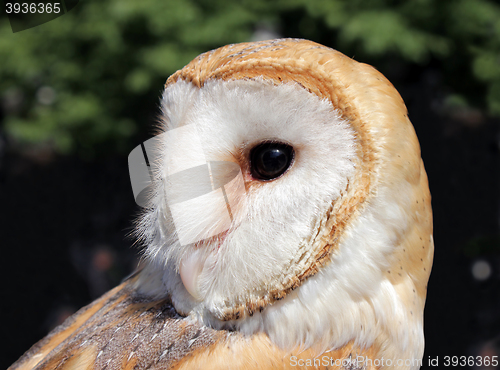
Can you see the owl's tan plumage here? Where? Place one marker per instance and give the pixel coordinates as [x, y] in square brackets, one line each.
[383, 182]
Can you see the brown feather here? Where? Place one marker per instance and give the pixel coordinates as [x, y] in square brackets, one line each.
[122, 331]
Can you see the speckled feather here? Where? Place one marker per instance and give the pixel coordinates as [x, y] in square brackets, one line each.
[123, 331]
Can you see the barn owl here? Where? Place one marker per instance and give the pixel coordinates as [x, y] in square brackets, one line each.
[287, 225]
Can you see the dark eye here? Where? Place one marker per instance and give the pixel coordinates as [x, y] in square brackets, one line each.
[270, 160]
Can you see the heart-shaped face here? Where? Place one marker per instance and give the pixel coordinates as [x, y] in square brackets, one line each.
[239, 186]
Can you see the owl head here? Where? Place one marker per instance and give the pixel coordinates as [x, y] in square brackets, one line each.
[289, 197]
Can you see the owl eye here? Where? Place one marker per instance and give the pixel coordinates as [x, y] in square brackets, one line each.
[270, 160]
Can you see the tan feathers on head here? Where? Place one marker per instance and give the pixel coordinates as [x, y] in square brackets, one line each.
[334, 253]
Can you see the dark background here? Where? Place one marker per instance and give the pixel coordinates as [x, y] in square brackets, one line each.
[66, 206]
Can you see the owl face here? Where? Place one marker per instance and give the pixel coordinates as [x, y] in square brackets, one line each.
[303, 209]
[296, 155]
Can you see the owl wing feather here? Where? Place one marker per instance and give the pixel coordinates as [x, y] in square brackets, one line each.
[122, 330]
[119, 331]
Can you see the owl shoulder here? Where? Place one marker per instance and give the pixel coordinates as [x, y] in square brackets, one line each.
[122, 330]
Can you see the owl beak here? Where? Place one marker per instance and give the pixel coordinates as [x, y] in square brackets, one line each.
[193, 265]
[190, 270]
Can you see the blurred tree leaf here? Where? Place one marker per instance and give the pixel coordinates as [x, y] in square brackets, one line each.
[88, 82]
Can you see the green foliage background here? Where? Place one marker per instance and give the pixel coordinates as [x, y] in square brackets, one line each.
[105, 62]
